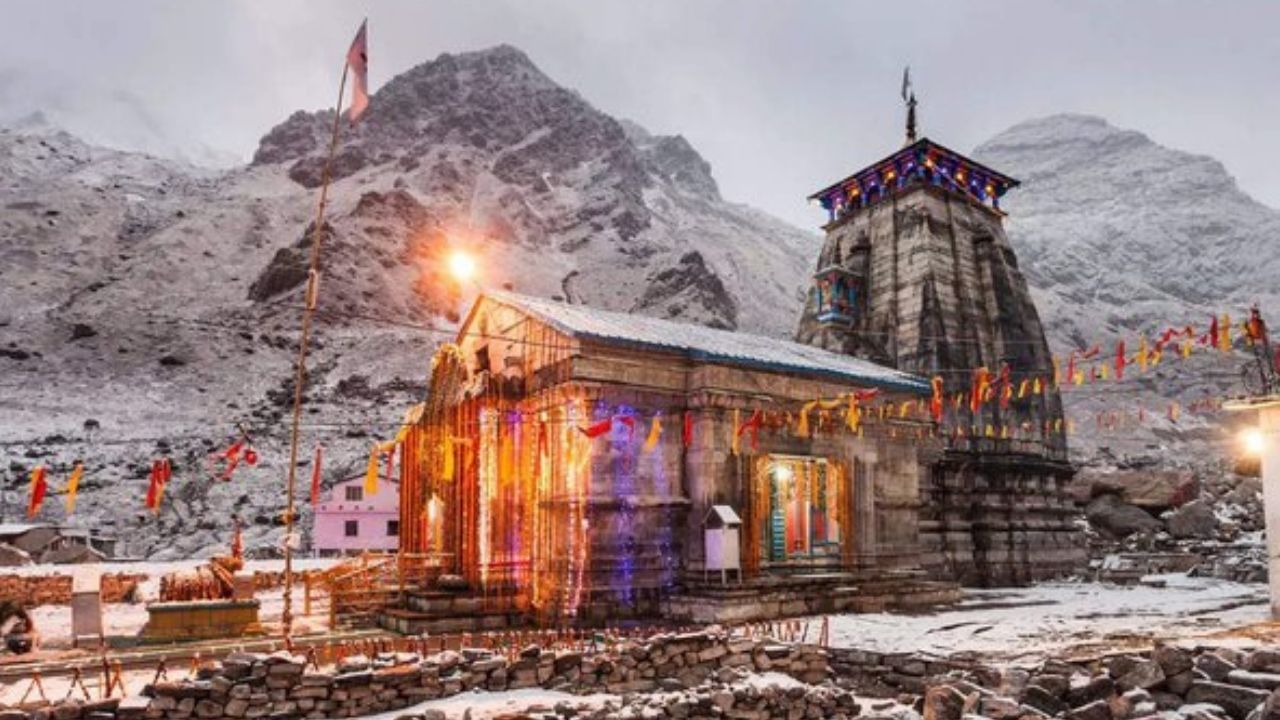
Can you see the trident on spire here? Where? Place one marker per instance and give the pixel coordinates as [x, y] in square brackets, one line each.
[909, 98]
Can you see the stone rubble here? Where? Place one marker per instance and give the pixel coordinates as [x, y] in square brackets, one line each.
[1170, 681]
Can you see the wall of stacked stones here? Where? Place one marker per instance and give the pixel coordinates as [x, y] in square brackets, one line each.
[33, 590]
[1200, 682]
[282, 685]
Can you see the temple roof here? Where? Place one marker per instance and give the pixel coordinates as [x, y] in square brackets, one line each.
[906, 160]
[707, 344]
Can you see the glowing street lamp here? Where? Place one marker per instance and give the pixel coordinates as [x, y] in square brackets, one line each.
[1263, 441]
[1254, 442]
[461, 266]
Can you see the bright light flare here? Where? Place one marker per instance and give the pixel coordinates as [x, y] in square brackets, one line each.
[1254, 442]
[461, 266]
[782, 473]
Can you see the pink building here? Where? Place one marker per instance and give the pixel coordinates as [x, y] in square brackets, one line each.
[347, 521]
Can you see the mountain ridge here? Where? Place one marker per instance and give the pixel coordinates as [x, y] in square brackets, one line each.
[150, 308]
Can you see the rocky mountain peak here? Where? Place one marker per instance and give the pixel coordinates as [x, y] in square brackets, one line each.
[123, 271]
[1072, 143]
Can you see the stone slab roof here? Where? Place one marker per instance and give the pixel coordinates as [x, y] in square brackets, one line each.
[709, 344]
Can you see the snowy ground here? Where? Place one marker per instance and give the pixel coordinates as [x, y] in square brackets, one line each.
[1018, 625]
[1025, 624]
[127, 619]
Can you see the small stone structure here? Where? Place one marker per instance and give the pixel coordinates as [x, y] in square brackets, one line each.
[214, 600]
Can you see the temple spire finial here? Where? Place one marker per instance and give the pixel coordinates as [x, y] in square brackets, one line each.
[909, 98]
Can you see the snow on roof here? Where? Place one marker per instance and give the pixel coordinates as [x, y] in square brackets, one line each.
[19, 528]
[705, 343]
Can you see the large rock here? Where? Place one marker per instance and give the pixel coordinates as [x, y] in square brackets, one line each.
[1096, 710]
[1173, 660]
[1214, 666]
[1145, 674]
[1044, 701]
[943, 702]
[1110, 515]
[1097, 688]
[1153, 490]
[1236, 700]
[1193, 520]
[1270, 710]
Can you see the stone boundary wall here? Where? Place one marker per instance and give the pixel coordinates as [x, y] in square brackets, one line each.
[248, 685]
[55, 589]
[34, 590]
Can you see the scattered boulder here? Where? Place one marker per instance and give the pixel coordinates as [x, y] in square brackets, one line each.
[1173, 660]
[1110, 515]
[1237, 701]
[942, 702]
[1144, 674]
[1249, 678]
[1000, 708]
[1153, 490]
[1044, 701]
[1263, 660]
[1214, 666]
[1096, 710]
[1097, 688]
[1195, 520]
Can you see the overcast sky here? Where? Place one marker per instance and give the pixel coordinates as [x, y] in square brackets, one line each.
[780, 97]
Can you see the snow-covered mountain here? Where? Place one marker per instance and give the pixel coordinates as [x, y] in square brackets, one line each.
[148, 307]
[1118, 236]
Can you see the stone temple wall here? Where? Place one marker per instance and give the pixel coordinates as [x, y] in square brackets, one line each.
[940, 294]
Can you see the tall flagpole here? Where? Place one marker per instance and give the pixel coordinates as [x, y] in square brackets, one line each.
[309, 307]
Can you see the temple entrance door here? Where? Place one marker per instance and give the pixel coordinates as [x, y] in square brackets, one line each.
[803, 525]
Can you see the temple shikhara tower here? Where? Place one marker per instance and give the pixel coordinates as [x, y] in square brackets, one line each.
[916, 273]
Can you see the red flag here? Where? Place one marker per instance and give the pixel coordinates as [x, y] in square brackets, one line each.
[232, 457]
[753, 425]
[935, 403]
[358, 61]
[1120, 360]
[597, 429]
[865, 395]
[160, 472]
[315, 475]
[1213, 332]
[688, 428]
[39, 486]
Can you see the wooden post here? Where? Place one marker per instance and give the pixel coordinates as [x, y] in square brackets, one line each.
[300, 375]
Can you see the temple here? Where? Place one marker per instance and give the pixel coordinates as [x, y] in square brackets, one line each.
[916, 273]
[582, 466]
